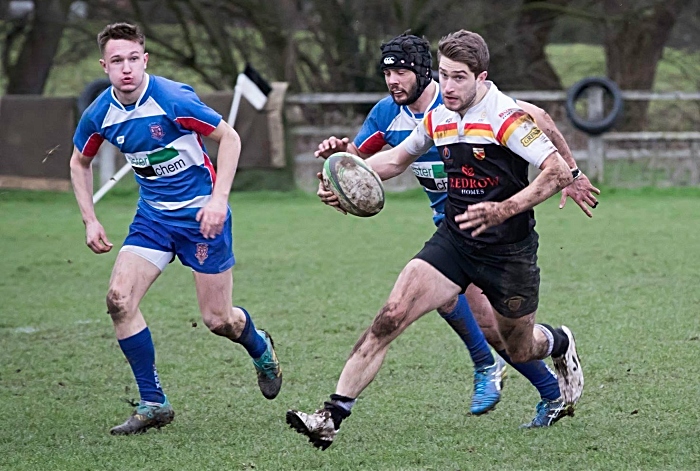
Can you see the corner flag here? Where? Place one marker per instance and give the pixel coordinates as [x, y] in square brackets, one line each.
[253, 87]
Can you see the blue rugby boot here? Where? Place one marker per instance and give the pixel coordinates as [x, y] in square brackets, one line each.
[268, 369]
[549, 412]
[146, 416]
[487, 387]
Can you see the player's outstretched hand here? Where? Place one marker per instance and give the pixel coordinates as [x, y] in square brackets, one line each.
[327, 197]
[582, 192]
[481, 216]
[96, 238]
[330, 146]
[211, 218]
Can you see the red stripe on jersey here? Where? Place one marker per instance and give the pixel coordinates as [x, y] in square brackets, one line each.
[92, 145]
[477, 126]
[507, 123]
[428, 120]
[446, 127]
[210, 166]
[207, 162]
[194, 124]
[373, 143]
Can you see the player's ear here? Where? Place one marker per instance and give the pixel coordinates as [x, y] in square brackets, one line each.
[145, 60]
[104, 65]
[482, 76]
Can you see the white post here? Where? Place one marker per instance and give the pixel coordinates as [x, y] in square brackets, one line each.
[110, 183]
[233, 113]
[107, 160]
[596, 147]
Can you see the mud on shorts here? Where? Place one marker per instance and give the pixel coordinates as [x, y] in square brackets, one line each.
[508, 274]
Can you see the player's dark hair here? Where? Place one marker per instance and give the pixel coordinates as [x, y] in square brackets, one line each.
[408, 51]
[120, 31]
[466, 47]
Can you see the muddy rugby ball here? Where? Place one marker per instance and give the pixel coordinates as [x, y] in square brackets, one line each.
[359, 189]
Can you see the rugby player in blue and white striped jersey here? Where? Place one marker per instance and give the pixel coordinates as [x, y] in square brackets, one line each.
[182, 211]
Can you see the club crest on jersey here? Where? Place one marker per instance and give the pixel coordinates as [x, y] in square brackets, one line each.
[479, 153]
[202, 253]
[157, 132]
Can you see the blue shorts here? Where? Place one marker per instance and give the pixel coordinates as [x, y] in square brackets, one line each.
[202, 255]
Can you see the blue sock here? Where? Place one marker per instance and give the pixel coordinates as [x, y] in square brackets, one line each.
[253, 342]
[463, 323]
[139, 351]
[539, 374]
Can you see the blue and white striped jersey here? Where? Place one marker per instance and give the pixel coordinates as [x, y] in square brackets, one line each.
[160, 136]
[389, 123]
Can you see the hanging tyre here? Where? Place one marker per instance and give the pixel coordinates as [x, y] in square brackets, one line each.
[597, 126]
[91, 91]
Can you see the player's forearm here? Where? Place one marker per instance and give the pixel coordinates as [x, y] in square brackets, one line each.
[352, 148]
[546, 124]
[227, 164]
[389, 164]
[552, 179]
[81, 179]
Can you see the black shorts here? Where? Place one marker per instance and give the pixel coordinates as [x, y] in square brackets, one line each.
[508, 274]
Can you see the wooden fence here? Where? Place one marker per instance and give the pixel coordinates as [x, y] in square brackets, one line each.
[593, 155]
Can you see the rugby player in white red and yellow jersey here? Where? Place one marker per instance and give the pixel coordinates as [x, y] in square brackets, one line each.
[404, 62]
[485, 142]
[182, 211]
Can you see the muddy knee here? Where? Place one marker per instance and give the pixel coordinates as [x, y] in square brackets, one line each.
[448, 307]
[224, 325]
[387, 324]
[117, 306]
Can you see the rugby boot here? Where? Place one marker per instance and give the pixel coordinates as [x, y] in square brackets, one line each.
[318, 427]
[144, 417]
[502, 368]
[487, 387]
[268, 369]
[569, 372]
[549, 412]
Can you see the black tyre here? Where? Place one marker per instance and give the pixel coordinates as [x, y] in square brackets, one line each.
[91, 91]
[594, 126]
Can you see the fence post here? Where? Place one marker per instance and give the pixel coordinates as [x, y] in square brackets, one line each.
[596, 146]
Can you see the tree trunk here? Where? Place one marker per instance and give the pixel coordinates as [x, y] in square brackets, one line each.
[635, 36]
[518, 59]
[29, 73]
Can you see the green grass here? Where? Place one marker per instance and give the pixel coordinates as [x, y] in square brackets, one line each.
[625, 282]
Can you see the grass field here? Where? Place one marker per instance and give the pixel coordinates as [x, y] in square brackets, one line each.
[626, 282]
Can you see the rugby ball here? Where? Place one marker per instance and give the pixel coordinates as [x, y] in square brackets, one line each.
[359, 189]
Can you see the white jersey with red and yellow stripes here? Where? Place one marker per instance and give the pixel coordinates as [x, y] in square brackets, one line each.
[486, 154]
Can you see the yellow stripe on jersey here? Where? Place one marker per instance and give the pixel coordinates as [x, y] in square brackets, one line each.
[506, 132]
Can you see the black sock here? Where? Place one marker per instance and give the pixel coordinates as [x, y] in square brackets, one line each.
[339, 407]
[561, 340]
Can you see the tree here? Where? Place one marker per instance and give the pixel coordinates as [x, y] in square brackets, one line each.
[37, 36]
[517, 36]
[635, 36]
